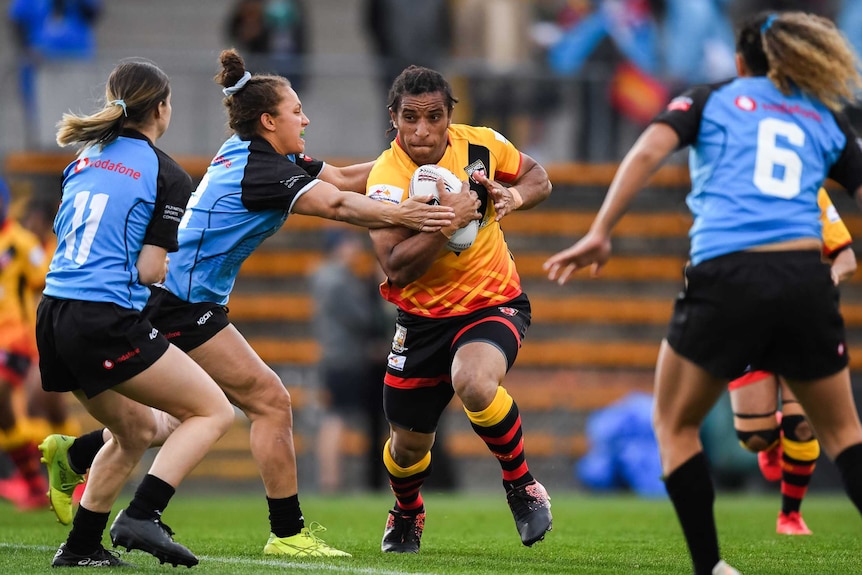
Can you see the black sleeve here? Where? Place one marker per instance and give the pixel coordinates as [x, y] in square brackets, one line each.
[272, 181]
[847, 171]
[683, 113]
[173, 189]
[310, 165]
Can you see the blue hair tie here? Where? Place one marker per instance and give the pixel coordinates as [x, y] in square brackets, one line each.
[121, 104]
[768, 24]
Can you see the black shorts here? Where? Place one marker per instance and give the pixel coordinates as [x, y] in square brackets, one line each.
[418, 377]
[186, 325]
[770, 311]
[93, 346]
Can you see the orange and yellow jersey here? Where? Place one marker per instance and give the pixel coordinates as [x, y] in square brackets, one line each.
[481, 276]
[836, 237]
[23, 266]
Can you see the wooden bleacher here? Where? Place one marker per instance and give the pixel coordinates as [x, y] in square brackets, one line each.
[564, 371]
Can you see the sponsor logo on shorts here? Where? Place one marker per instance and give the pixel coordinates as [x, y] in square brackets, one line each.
[396, 362]
[841, 348]
[129, 355]
[205, 317]
[509, 311]
[154, 334]
[398, 340]
[108, 364]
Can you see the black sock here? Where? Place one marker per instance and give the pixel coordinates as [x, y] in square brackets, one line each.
[692, 494]
[87, 529]
[83, 451]
[849, 463]
[285, 516]
[151, 498]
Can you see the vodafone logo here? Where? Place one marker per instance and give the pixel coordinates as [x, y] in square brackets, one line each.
[108, 364]
[745, 104]
[81, 164]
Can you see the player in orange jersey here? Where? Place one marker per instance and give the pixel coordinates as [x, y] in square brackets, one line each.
[786, 446]
[461, 315]
[23, 265]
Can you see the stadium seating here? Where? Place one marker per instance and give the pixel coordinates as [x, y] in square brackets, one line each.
[591, 342]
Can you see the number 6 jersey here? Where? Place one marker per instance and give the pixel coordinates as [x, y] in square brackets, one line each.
[115, 199]
[757, 159]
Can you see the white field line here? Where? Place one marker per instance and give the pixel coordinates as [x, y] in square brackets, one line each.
[300, 566]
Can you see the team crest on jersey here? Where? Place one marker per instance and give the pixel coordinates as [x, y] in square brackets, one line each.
[399, 339]
[385, 193]
[680, 104]
[745, 104]
[477, 166]
[509, 311]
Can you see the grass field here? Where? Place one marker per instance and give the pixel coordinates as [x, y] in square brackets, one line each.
[474, 534]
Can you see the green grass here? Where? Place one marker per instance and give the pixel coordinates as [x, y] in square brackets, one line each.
[474, 534]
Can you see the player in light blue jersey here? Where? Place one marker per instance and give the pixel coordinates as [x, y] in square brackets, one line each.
[122, 201]
[756, 292]
[255, 181]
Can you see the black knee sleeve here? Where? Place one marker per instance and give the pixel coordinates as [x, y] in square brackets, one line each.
[796, 428]
[758, 440]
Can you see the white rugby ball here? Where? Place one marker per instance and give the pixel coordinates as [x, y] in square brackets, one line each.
[424, 183]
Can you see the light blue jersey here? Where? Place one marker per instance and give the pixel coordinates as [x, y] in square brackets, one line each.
[757, 159]
[244, 197]
[115, 199]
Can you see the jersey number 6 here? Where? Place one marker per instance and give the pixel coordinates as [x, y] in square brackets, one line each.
[788, 181]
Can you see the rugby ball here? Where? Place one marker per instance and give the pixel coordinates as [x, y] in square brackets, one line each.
[424, 183]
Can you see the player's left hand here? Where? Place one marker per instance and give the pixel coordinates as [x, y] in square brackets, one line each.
[505, 200]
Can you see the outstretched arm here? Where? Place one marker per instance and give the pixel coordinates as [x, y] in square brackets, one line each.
[594, 249]
[353, 177]
[326, 201]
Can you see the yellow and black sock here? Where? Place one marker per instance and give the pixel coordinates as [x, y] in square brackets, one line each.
[406, 482]
[499, 426]
[801, 450]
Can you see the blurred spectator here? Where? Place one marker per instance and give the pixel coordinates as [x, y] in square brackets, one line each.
[509, 85]
[405, 32]
[631, 26]
[629, 23]
[348, 327]
[49, 30]
[698, 42]
[271, 35]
